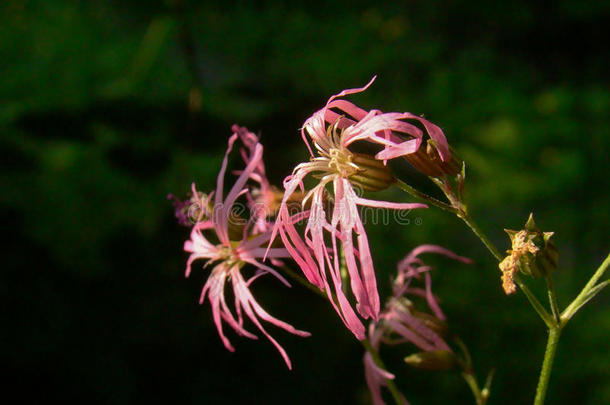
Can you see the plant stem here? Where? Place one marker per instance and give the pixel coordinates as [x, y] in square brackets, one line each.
[460, 210]
[552, 298]
[479, 397]
[587, 292]
[540, 310]
[547, 364]
[422, 196]
[479, 233]
[293, 275]
[389, 383]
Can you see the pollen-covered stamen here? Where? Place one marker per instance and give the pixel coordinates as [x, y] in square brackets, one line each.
[336, 159]
[341, 161]
[229, 255]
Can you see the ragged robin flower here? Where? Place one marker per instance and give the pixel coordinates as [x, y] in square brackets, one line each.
[212, 240]
[332, 131]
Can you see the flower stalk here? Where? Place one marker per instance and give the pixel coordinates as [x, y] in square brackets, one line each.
[589, 291]
[547, 364]
[459, 209]
[480, 395]
[423, 197]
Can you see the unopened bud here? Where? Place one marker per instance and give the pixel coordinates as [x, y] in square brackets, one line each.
[436, 360]
[428, 161]
[438, 326]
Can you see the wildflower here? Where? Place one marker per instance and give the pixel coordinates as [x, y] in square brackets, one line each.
[332, 130]
[412, 268]
[230, 255]
[532, 252]
[400, 322]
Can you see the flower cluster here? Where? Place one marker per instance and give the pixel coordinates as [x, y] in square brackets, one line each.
[316, 221]
[332, 248]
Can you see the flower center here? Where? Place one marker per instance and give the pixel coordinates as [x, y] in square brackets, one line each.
[229, 255]
[338, 159]
[335, 159]
[341, 162]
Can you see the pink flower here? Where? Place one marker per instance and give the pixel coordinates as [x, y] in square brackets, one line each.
[412, 267]
[401, 323]
[230, 256]
[332, 130]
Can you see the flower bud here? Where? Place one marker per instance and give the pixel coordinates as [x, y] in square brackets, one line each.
[372, 174]
[433, 323]
[436, 360]
[428, 161]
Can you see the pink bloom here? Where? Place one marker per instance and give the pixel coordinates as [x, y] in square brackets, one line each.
[412, 267]
[230, 256]
[400, 322]
[332, 130]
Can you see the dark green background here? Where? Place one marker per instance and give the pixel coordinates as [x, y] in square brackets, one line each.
[96, 129]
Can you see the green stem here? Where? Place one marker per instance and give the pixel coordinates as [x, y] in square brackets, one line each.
[547, 365]
[554, 322]
[389, 383]
[423, 197]
[479, 397]
[534, 302]
[344, 272]
[461, 211]
[479, 233]
[293, 275]
[587, 292]
[552, 298]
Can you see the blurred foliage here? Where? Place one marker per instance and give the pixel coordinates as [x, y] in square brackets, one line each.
[107, 106]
